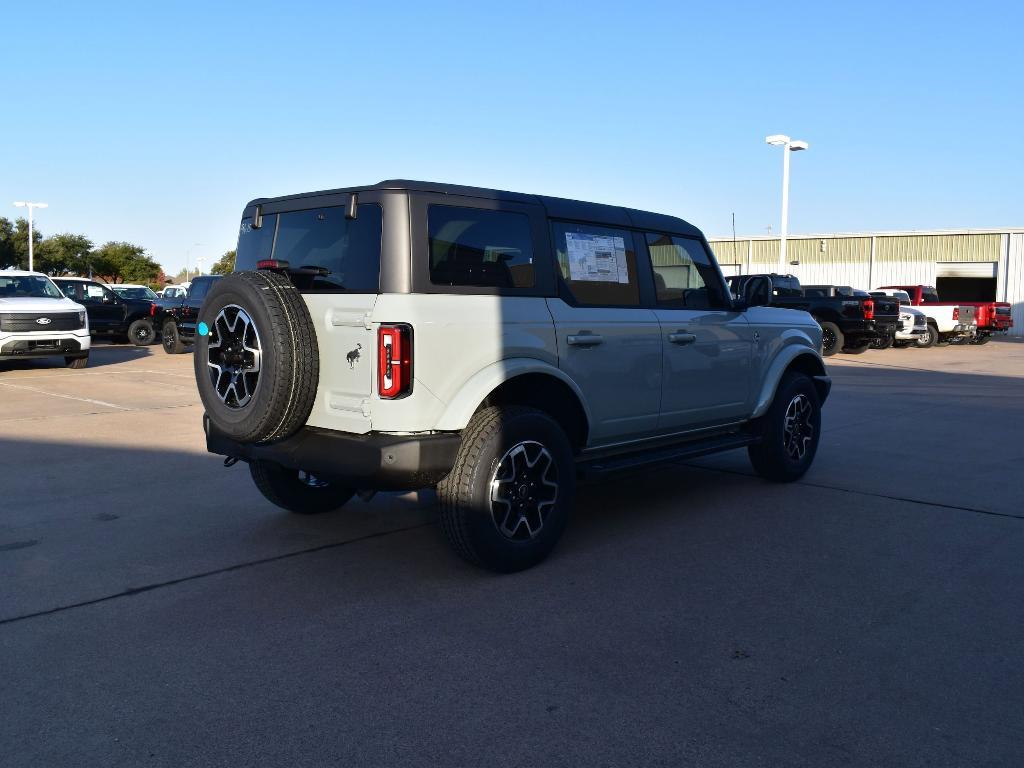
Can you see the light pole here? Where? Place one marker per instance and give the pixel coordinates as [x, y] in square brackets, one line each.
[788, 145]
[188, 253]
[30, 206]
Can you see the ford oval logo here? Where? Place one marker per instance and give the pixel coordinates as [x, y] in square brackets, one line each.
[44, 321]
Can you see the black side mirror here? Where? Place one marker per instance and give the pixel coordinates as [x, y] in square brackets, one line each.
[757, 292]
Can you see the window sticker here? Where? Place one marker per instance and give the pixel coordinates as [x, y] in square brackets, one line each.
[596, 258]
[94, 291]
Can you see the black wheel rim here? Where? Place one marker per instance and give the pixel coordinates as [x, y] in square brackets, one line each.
[828, 340]
[234, 355]
[142, 334]
[798, 429]
[524, 489]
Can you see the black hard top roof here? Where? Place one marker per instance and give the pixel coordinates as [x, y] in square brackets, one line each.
[557, 207]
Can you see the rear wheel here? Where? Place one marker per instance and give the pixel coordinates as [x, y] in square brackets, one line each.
[983, 338]
[930, 340]
[507, 500]
[832, 339]
[789, 433]
[298, 491]
[76, 362]
[172, 343]
[141, 333]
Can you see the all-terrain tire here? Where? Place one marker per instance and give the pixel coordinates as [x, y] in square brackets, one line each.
[276, 387]
[171, 341]
[498, 445]
[930, 340]
[76, 362]
[884, 343]
[141, 333]
[296, 491]
[832, 339]
[772, 456]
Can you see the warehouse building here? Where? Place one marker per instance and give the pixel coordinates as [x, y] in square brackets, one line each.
[963, 265]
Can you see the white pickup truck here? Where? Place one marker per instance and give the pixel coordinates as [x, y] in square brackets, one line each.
[37, 320]
[945, 323]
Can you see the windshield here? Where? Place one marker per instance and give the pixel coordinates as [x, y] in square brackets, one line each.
[134, 293]
[28, 286]
[347, 249]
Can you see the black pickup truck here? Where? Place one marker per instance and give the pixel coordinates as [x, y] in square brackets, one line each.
[850, 319]
[110, 314]
[176, 318]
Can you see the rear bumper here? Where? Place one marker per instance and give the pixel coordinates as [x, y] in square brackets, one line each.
[372, 462]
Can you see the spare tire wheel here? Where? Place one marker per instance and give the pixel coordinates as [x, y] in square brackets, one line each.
[256, 358]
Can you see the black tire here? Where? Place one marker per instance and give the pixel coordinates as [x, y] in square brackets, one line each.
[883, 343]
[260, 311]
[980, 339]
[76, 362]
[776, 456]
[930, 340]
[141, 333]
[171, 341]
[832, 339]
[508, 536]
[296, 491]
[901, 344]
[857, 350]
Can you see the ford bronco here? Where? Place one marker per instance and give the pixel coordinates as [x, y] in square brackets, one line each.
[495, 345]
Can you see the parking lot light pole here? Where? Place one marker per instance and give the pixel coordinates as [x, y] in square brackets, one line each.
[788, 145]
[188, 254]
[30, 206]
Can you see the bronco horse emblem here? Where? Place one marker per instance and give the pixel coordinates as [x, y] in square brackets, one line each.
[353, 356]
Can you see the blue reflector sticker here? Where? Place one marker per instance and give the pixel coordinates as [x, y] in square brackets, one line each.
[203, 329]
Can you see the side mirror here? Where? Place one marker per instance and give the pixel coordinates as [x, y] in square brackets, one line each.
[757, 292]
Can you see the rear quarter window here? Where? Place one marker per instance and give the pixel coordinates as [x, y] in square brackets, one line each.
[478, 247]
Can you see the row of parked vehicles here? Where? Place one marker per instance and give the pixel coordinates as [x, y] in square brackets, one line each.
[46, 317]
[853, 321]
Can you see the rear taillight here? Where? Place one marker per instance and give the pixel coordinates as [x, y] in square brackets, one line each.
[869, 309]
[152, 310]
[956, 313]
[271, 264]
[394, 361]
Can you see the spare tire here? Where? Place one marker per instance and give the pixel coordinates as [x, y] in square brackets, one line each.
[256, 358]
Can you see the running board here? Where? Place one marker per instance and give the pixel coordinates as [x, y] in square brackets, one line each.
[664, 455]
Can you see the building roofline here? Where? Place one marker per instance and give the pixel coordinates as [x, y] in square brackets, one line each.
[894, 233]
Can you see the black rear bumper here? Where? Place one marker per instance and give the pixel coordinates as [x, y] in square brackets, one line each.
[373, 462]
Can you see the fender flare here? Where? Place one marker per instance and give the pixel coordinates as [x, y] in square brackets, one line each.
[460, 409]
[797, 345]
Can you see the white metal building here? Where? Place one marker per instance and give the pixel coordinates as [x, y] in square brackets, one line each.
[964, 265]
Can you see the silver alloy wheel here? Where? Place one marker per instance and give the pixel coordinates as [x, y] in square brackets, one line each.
[798, 429]
[234, 355]
[524, 488]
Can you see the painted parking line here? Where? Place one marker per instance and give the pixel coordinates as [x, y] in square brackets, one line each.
[66, 397]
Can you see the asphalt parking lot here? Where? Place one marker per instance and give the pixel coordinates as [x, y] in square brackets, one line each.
[155, 610]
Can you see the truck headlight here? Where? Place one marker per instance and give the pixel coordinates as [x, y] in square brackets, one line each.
[81, 319]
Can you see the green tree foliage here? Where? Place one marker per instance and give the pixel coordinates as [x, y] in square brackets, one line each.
[65, 254]
[119, 262]
[225, 264]
[14, 243]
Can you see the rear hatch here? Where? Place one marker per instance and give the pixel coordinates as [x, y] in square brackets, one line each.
[334, 260]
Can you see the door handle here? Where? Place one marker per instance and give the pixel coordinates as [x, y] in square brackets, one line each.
[681, 338]
[584, 339]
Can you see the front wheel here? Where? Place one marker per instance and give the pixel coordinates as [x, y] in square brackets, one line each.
[507, 500]
[983, 338]
[76, 362]
[141, 333]
[884, 342]
[789, 432]
[930, 340]
[173, 345]
[296, 490]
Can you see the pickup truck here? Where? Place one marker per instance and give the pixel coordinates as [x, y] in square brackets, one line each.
[947, 323]
[176, 317]
[850, 320]
[991, 316]
[109, 313]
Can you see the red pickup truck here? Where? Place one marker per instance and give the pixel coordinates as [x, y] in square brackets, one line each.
[992, 316]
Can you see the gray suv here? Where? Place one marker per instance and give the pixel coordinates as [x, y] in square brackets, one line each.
[495, 345]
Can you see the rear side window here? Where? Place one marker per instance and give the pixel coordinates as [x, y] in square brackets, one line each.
[198, 290]
[477, 247]
[597, 264]
[349, 249]
[684, 277]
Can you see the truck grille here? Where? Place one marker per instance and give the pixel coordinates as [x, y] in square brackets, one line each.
[24, 323]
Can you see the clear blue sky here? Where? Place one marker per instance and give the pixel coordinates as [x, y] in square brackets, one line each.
[155, 123]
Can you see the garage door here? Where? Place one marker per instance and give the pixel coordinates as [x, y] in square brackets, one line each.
[966, 269]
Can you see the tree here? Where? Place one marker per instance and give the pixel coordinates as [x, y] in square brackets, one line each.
[63, 254]
[119, 262]
[14, 243]
[225, 264]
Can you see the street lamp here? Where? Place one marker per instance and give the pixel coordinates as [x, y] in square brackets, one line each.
[188, 253]
[788, 145]
[30, 206]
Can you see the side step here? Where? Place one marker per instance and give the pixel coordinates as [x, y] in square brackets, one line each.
[624, 462]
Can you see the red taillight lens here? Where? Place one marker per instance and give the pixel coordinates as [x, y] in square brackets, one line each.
[152, 310]
[394, 361]
[271, 264]
[956, 313]
[869, 309]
